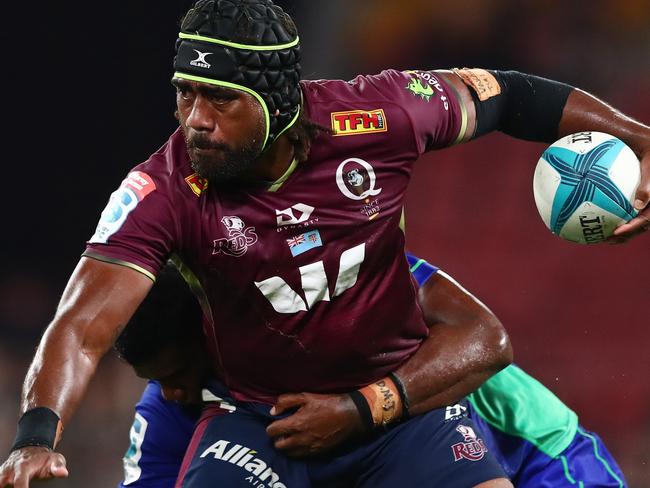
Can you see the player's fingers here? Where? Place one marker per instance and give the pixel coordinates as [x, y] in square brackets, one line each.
[58, 467]
[638, 225]
[21, 479]
[642, 196]
[281, 428]
[286, 401]
[294, 445]
[284, 443]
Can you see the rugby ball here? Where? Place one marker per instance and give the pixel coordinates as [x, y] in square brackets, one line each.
[584, 186]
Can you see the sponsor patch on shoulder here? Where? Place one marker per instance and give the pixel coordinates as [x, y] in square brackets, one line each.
[353, 122]
[481, 81]
[197, 184]
[134, 188]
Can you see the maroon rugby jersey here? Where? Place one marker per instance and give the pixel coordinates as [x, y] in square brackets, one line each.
[305, 283]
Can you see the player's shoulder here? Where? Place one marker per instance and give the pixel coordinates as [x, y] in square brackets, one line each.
[359, 88]
[373, 105]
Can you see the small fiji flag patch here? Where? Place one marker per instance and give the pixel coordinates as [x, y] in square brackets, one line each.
[304, 242]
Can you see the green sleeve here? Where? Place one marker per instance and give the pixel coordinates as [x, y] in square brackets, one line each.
[519, 405]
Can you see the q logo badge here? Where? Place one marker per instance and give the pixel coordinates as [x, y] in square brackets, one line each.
[359, 181]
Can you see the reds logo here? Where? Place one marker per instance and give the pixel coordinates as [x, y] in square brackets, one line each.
[240, 238]
[472, 449]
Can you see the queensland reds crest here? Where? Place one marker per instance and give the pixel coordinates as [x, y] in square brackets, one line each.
[356, 179]
[472, 449]
[239, 238]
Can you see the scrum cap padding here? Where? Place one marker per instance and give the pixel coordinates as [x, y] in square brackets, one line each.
[245, 44]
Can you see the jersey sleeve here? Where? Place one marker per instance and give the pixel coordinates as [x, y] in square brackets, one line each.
[420, 269]
[432, 107]
[160, 433]
[138, 227]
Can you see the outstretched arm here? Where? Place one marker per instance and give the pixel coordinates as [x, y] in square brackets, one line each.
[537, 109]
[585, 110]
[466, 345]
[97, 302]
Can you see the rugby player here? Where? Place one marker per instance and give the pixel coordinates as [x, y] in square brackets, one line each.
[295, 246]
[535, 437]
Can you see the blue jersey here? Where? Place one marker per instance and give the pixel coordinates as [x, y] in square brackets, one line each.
[160, 433]
[540, 451]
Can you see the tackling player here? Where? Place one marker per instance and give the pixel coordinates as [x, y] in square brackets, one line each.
[295, 246]
[534, 436]
[173, 362]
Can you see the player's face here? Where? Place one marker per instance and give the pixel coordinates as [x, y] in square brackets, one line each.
[180, 372]
[224, 129]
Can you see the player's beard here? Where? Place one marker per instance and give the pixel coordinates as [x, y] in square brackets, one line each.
[225, 163]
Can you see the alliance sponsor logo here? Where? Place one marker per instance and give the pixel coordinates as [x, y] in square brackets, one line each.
[353, 122]
[239, 239]
[262, 475]
[197, 184]
[133, 189]
[472, 449]
[200, 60]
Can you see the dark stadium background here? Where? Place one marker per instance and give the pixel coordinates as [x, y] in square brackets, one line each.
[86, 96]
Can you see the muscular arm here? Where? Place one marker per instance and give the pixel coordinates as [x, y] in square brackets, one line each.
[97, 302]
[584, 112]
[466, 345]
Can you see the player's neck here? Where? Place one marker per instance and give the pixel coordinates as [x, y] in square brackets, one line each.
[274, 162]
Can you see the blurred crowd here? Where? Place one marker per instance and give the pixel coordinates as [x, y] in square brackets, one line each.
[574, 313]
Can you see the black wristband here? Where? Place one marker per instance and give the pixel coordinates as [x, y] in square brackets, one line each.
[37, 427]
[363, 408]
[402, 395]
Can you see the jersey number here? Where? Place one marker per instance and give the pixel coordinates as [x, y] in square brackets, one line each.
[314, 283]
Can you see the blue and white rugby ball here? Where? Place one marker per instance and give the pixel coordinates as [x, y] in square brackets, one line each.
[584, 186]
